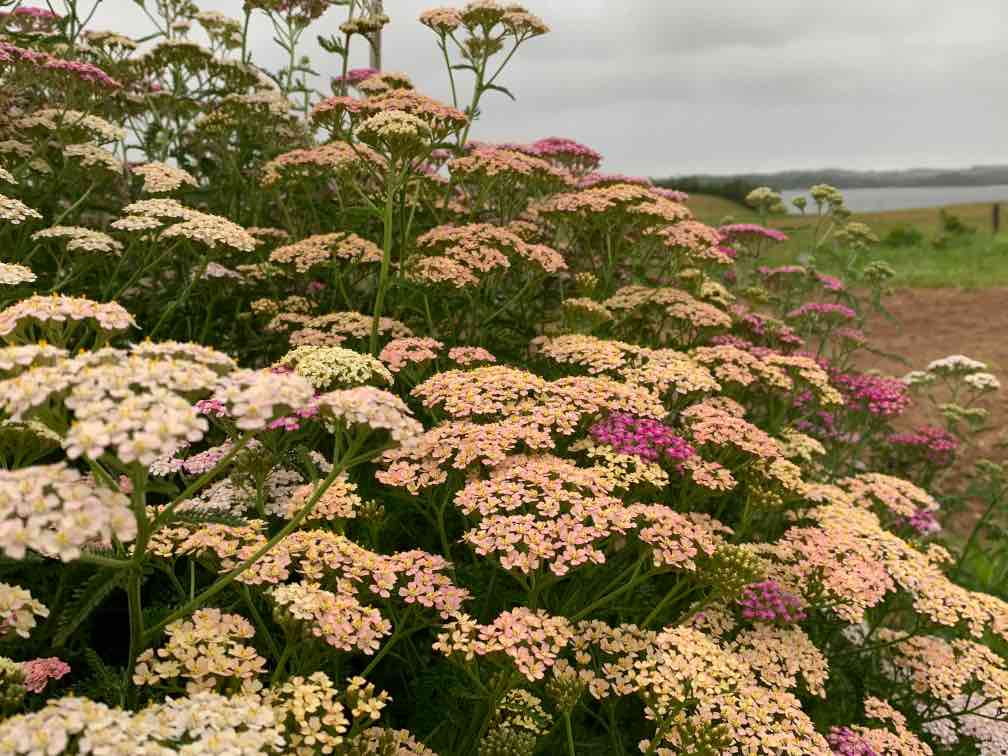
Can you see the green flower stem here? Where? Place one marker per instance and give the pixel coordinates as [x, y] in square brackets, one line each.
[442, 532]
[620, 578]
[507, 305]
[675, 593]
[396, 637]
[196, 485]
[282, 662]
[391, 185]
[502, 686]
[182, 300]
[570, 734]
[75, 205]
[975, 533]
[260, 623]
[630, 585]
[101, 561]
[236, 572]
[451, 76]
[134, 580]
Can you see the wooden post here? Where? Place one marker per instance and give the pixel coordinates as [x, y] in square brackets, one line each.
[376, 39]
[996, 217]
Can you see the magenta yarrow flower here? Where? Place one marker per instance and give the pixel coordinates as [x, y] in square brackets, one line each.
[211, 407]
[43, 14]
[768, 602]
[290, 423]
[879, 395]
[830, 283]
[649, 439]
[356, 75]
[924, 522]
[936, 444]
[84, 71]
[846, 742]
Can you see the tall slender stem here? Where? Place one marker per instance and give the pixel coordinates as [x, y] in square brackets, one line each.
[391, 183]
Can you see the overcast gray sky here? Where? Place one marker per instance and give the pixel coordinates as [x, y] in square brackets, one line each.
[666, 87]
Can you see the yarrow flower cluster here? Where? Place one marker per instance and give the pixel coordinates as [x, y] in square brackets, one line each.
[328, 367]
[56, 318]
[209, 633]
[81, 239]
[12, 274]
[648, 439]
[18, 610]
[768, 602]
[38, 672]
[54, 510]
[673, 439]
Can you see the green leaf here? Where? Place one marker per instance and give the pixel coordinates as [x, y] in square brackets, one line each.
[86, 599]
[108, 683]
[331, 45]
[204, 517]
[502, 90]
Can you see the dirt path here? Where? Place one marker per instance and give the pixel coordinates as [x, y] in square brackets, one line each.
[934, 323]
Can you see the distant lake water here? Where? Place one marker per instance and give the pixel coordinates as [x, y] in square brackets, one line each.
[879, 199]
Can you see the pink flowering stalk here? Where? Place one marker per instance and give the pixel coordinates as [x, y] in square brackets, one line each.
[568, 153]
[923, 522]
[768, 602]
[27, 18]
[822, 311]
[355, 76]
[41, 61]
[735, 232]
[211, 407]
[830, 283]
[935, 444]
[881, 396]
[649, 439]
[38, 672]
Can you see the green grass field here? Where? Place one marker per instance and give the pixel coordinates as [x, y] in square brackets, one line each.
[977, 262]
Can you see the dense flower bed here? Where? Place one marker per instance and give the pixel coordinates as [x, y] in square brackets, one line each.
[328, 429]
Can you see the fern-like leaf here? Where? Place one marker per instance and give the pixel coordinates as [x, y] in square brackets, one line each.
[108, 683]
[207, 517]
[86, 599]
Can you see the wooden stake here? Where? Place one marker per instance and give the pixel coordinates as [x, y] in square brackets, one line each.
[376, 39]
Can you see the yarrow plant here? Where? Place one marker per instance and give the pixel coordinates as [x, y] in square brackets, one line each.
[328, 428]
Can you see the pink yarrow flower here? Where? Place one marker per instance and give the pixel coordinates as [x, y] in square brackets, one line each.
[845, 742]
[823, 310]
[768, 602]
[936, 444]
[38, 672]
[356, 75]
[742, 231]
[648, 439]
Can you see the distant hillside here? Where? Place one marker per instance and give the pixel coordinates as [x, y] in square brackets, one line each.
[978, 175]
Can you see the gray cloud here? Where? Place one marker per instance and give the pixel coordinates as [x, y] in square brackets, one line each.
[665, 87]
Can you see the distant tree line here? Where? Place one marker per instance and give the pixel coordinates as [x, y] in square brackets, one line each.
[737, 186]
[731, 188]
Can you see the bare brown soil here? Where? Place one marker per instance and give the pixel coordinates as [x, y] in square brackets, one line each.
[933, 323]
